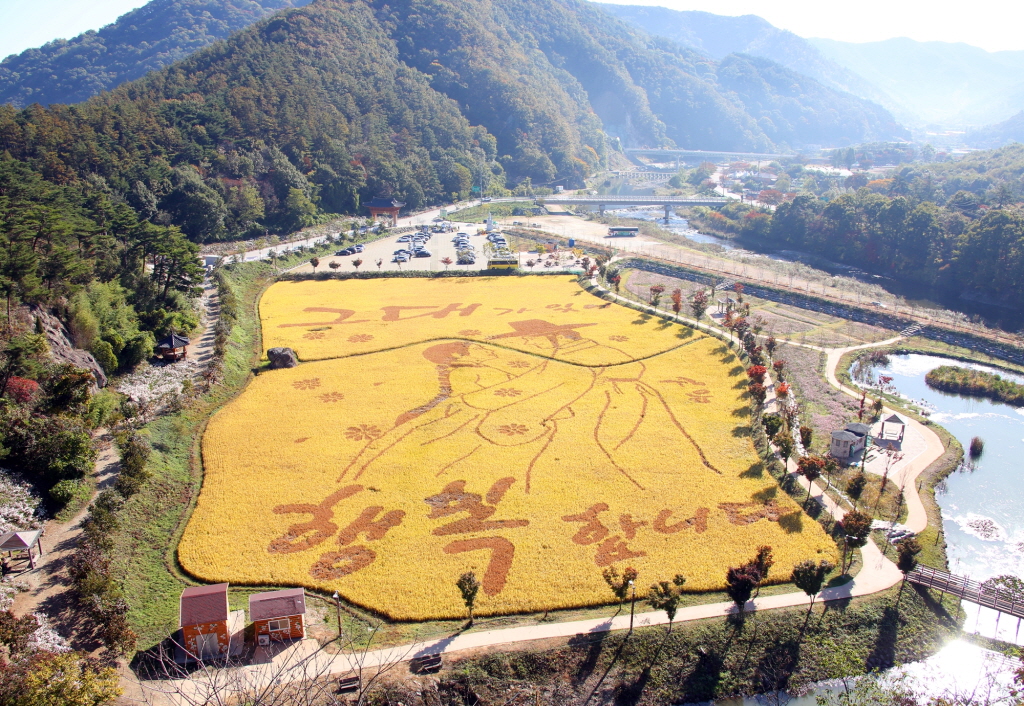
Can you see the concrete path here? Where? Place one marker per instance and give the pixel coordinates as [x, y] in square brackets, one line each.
[306, 659]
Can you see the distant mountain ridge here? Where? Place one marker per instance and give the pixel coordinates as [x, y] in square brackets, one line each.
[921, 83]
[943, 83]
[143, 40]
[718, 36]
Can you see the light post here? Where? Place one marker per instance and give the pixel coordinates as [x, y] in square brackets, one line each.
[337, 605]
[632, 605]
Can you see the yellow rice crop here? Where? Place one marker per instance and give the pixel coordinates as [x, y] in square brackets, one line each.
[335, 318]
[386, 476]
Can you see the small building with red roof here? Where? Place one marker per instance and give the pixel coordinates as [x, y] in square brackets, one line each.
[278, 615]
[207, 624]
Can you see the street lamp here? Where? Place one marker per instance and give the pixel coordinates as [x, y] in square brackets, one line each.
[632, 606]
[337, 604]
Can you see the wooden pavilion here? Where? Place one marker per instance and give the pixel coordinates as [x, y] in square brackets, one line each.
[20, 545]
[382, 206]
[172, 348]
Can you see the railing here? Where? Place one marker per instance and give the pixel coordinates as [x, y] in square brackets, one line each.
[967, 590]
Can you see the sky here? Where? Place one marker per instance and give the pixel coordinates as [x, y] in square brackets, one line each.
[991, 24]
[994, 25]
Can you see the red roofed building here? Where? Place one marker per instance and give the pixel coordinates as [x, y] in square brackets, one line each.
[204, 616]
[278, 615]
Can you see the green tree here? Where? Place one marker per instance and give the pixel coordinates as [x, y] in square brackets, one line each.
[855, 528]
[57, 679]
[468, 588]
[810, 577]
[665, 595]
[620, 583]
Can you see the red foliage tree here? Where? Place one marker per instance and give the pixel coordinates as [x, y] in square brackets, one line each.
[22, 390]
[757, 373]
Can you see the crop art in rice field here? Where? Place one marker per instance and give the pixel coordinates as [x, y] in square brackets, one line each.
[520, 428]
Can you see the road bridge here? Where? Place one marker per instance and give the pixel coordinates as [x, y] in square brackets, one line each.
[706, 156]
[605, 200]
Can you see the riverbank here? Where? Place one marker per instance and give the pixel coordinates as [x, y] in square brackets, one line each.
[962, 381]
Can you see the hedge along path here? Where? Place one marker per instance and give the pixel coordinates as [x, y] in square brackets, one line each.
[552, 437]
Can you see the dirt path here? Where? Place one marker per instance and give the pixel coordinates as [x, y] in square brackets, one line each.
[49, 592]
[201, 349]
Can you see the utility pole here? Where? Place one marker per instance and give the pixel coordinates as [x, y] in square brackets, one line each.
[337, 604]
[632, 606]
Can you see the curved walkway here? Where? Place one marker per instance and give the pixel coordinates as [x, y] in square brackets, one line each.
[878, 573]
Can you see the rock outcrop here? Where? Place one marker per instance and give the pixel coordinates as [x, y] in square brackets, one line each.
[61, 347]
[282, 358]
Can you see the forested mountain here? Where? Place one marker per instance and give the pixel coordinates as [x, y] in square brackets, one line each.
[143, 40]
[954, 227]
[1010, 130]
[314, 109]
[717, 36]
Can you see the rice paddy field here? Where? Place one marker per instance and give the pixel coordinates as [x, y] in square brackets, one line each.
[516, 427]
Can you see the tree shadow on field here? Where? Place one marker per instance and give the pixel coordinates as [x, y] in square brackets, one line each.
[777, 665]
[791, 523]
[883, 654]
[593, 644]
[743, 411]
[736, 369]
[686, 332]
[756, 470]
[741, 432]
[641, 319]
[702, 681]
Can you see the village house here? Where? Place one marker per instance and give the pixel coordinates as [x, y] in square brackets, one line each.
[278, 615]
[850, 441]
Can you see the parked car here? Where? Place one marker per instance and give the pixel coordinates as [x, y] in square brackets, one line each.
[421, 253]
[404, 238]
[357, 248]
[346, 251]
[400, 258]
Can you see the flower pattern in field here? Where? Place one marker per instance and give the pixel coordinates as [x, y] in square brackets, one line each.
[519, 364]
[363, 432]
[360, 338]
[619, 339]
[310, 384]
[470, 332]
[314, 335]
[332, 396]
[513, 429]
[508, 392]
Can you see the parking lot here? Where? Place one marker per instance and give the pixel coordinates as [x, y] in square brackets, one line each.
[380, 254]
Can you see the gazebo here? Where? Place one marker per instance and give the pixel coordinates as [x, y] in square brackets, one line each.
[19, 545]
[172, 348]
[895, 436]
[382, 206]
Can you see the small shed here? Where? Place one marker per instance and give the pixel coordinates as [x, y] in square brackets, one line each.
[20, 545]
[278, 615]
[204, 622]
[173, 347]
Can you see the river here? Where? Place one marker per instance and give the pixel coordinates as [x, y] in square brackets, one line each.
[982, 505]
[984, 525]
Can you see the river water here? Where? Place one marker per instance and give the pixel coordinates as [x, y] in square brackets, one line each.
[983, 504]
[983, 518]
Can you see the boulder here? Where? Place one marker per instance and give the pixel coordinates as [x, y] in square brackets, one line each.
[282, 358]
[62, 349]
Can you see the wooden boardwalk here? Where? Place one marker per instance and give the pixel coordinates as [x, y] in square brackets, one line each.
[967, 590]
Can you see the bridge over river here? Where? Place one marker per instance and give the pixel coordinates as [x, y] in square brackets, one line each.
[605, 200]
